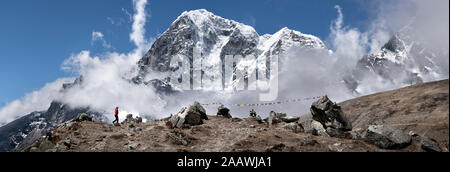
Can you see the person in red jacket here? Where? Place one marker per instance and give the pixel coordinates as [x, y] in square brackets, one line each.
[116, 114]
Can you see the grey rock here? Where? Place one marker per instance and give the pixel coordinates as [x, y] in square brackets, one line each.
[133, 146]
[138, 129]
[129, 116]
[259, 119]
[355, 135]
[138, 120]
[291, 126]
[308, 142]
[76, 133]
[315, 128]
[69, 125]
[429, 145]
[275, 118]
[332, 132]
[387, 137]
[412, 133]
[129, 119]
[76, 142]
[329, 114]
[252, 126]
[193, 115]
[67, 143]
[83, 117]
[289, 119]
[223, 111]
[198, 108]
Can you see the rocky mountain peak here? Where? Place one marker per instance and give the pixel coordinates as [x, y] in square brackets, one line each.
[215, 37]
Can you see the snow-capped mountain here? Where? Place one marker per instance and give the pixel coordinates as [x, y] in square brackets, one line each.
[216, 37]
[402, 60]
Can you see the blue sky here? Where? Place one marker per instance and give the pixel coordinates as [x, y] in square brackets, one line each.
[36, 36]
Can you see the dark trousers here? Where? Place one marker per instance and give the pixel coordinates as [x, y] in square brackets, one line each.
[117, 119]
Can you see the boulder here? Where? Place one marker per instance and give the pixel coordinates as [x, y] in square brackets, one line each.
[259, 119]
[275, 118]
[313, 127]
[292, 126]
[193, 115]
[76, 133]
[289, 119]
[129, 118]
[83, 117]
[67, 143]
[330, 115]
[138, 119]
[429, 145]
[197, 107]
[133, 146]
[412, 133]
[387, 137]
[223, 111]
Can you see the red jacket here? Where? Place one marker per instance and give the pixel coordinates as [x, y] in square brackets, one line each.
[116, 112]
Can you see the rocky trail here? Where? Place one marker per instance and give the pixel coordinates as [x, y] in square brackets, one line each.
[412, 119]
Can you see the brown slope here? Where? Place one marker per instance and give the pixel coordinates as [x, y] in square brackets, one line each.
[422, 108]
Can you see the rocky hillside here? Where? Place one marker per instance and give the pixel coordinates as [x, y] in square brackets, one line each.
[422, 108]
[24, 131]
[411, 119]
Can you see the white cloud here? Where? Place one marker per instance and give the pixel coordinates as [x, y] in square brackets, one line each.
[98, 36]
[111, 20]
[35, 101]
[130, 17]
[138, 27]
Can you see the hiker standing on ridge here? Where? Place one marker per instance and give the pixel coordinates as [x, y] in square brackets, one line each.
[116, 114]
